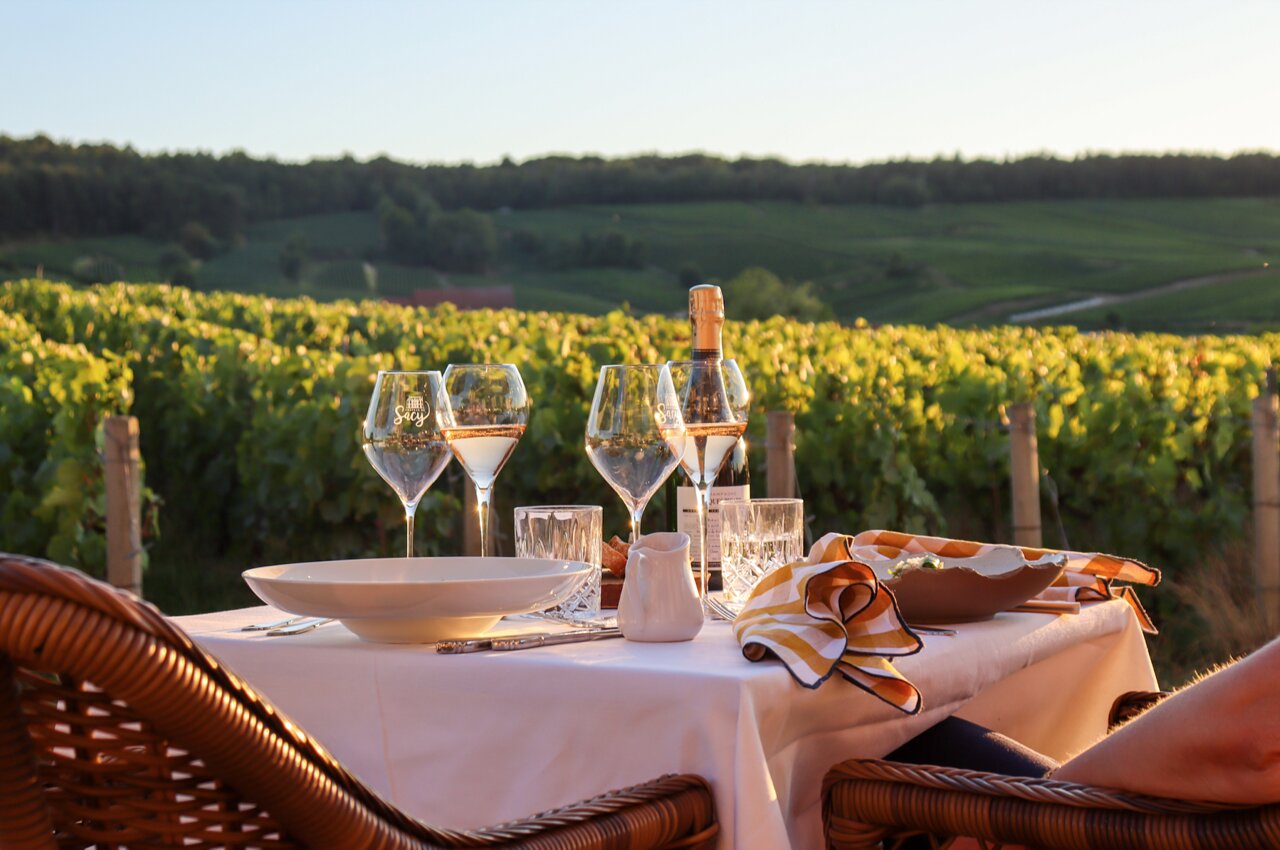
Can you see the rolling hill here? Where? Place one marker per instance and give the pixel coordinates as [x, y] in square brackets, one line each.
[963, 263]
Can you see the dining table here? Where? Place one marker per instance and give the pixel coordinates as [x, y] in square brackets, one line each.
[474, 739]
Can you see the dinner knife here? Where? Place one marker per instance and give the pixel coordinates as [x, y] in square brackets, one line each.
[555, 639]
[509, 642]
[457, 647]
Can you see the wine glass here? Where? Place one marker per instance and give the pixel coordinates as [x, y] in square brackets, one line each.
[488, 410]
[635, 433]
[402, 436]
[714, 401]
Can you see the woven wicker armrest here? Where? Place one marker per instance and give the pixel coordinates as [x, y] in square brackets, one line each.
[869, 801]
[677, 811]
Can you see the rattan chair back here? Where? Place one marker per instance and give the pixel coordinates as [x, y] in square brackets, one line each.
[117, 731]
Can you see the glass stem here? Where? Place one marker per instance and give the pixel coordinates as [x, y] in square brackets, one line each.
[409, 511]
[704, 509]
[636, 513]
[483, 495]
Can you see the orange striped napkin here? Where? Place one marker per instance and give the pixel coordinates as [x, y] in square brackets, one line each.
[1088, 576]
[827, 615]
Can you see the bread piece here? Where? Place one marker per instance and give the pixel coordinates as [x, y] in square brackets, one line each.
[614, 556]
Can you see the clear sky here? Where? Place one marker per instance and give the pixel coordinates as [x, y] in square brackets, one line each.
[479, 79]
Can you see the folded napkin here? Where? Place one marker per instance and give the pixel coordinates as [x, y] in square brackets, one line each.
[828, 614]
[1088, 576]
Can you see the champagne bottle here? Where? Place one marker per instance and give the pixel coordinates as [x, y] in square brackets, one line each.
[706, 319]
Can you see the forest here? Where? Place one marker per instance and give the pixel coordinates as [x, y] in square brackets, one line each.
[48, 188]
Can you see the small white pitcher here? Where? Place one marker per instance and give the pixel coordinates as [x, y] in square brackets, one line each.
[659, 600]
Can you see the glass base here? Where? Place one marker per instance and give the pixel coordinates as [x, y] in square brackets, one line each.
[584, 604]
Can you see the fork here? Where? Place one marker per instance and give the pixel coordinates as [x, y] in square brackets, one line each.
[304, 625]
[720, 610]
[278, 624]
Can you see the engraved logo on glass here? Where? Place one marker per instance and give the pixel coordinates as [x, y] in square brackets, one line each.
[415, 410]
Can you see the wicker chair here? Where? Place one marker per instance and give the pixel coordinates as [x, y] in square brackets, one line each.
[117, 731]
[870, 803]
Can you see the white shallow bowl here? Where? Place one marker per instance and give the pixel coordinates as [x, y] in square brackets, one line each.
[417, 600]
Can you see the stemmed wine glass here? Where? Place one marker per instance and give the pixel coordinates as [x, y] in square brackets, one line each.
[488, 411]
[714, 401]
[635, 433]
[402, 436]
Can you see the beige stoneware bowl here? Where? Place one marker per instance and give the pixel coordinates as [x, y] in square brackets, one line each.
[968, 589]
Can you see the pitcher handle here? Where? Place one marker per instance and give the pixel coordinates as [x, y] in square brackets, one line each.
[644, 579]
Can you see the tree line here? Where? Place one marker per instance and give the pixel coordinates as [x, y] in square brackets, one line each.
[53, 188]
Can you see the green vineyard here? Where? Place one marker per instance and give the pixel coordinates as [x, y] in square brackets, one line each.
[249, 409]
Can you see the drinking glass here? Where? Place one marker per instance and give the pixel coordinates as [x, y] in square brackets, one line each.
[402, 436]
[756, 537]
[571, 533]
[714, 401]
[635, 433]
[488, 411]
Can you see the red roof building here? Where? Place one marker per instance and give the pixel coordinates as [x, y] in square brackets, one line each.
[462, 297]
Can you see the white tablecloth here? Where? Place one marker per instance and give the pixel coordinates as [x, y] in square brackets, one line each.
[471, 740]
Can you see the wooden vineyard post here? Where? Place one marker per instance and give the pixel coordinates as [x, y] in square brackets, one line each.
[1266, 499]
[123, 470]
[780, 447]
[1024, 467]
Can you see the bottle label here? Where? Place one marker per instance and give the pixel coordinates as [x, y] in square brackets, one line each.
[687, 519]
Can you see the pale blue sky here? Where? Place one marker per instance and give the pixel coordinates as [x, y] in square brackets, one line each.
[851, 81]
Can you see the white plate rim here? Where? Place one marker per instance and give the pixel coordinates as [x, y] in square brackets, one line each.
[256, 573]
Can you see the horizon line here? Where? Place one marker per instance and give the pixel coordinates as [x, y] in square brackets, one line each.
[957, 156]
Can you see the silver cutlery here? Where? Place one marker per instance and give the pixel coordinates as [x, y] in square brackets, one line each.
[925, 630]
[551, 617]
[301, 627]
[278, 624]
[719, 609]
[458, 646]
[528, 641]
[1048, 606]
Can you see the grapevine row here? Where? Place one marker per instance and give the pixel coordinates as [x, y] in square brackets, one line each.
[249, 408]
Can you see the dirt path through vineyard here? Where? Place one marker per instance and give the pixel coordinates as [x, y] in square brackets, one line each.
[1001, 309]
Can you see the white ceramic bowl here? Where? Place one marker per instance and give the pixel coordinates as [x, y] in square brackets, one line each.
[417, 600]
